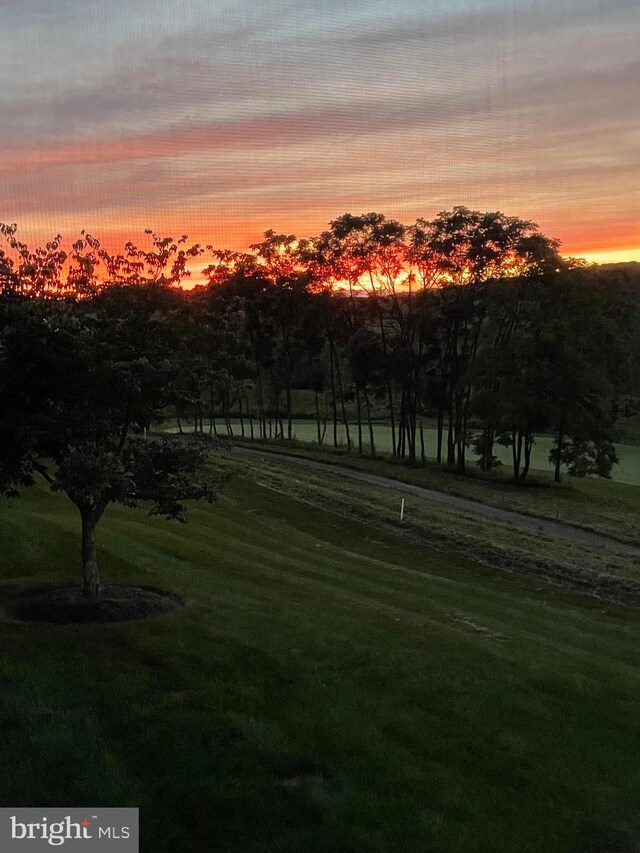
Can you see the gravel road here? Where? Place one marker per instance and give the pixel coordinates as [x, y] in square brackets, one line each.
[517, 519]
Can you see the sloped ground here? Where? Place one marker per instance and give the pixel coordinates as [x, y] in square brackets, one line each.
[592, 504]
[328, 687]
[551, 551]
[558, 529]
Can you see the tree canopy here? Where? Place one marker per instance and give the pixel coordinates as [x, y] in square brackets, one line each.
[80, 383]
[470, 319]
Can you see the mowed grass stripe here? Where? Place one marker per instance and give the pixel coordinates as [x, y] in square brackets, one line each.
[216, 534]
[491, 605]
[307, 570]
[289, 556]
[304, 567]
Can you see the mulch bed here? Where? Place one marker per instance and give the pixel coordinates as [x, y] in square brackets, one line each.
[65, 605]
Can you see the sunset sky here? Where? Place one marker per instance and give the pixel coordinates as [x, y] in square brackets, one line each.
[222, 119]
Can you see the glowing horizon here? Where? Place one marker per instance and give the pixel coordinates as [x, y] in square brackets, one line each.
[224, 119]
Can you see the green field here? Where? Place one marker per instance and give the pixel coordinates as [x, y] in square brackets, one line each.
[627, 471]
[328, 687]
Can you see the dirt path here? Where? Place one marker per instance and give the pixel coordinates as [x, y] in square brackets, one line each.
[517, 519]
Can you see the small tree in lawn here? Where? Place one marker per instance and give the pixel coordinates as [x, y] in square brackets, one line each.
[77, 387]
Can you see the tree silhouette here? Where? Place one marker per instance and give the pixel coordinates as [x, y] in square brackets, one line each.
[78, 384]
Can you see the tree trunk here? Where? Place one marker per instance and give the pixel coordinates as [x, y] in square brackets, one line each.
[392, 418]
[488, 439]
[277, 418]
[528, 444]
[91, 583]
[261, 414]
[240, 413]
[415, 398]
[557, 476]
[460, 432]
[371, 435]
[227, 411]
[401, 426]
[359, 411]
[411, 424]
[212, 410]
[333, 395]
[451, 447]
[342, 405]
[315, 393]
[516, 452]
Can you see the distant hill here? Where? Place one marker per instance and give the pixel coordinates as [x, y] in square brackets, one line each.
[623, 266]
[625, 275]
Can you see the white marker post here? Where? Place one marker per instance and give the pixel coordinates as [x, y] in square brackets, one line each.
[145, 433]
[402, 509]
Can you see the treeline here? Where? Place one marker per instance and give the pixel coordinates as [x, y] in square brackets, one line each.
[472, 320]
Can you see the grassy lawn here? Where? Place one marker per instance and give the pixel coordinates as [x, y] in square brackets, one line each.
[626, 471]
[328, 687]
[449, 528]
[604, 506]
